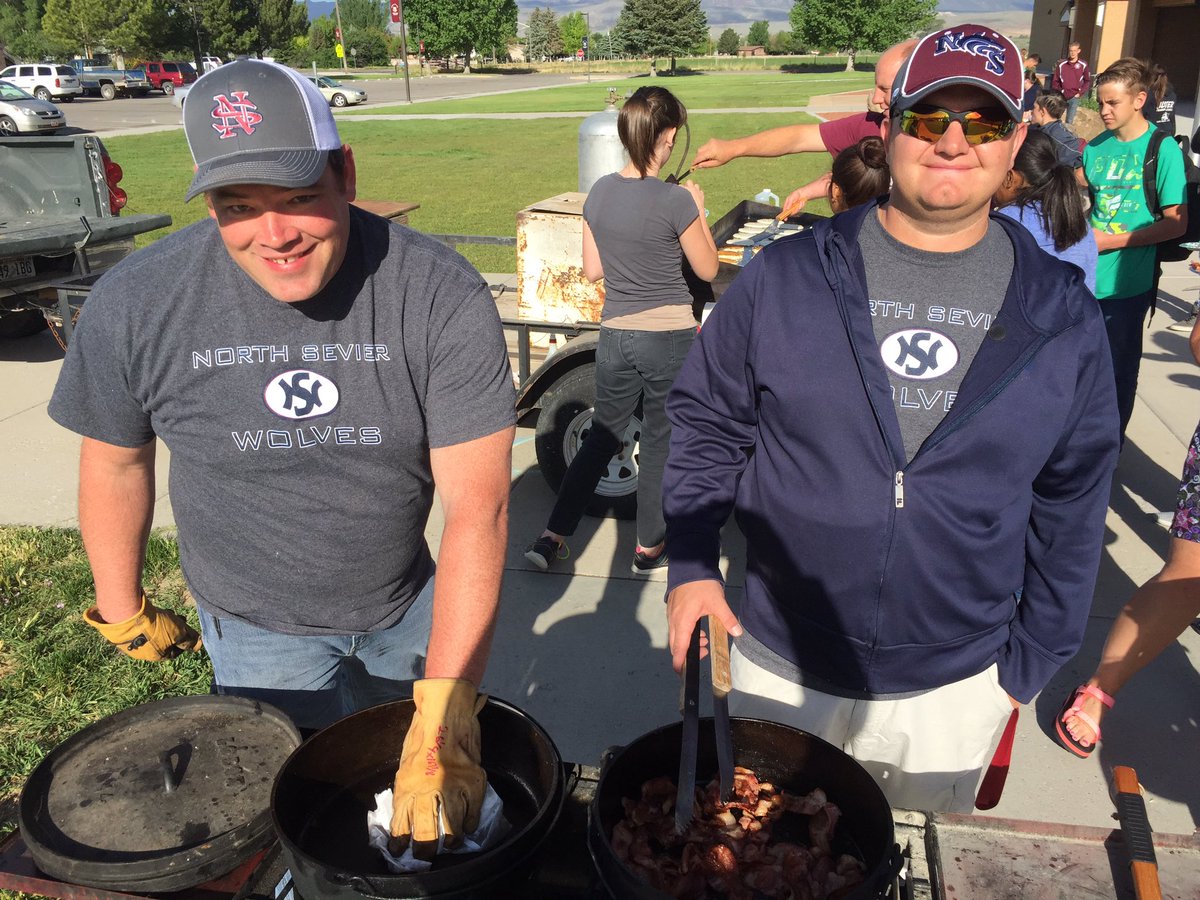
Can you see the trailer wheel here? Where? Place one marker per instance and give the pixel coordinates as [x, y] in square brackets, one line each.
[108, 90]
[562, 426]
[21, 324]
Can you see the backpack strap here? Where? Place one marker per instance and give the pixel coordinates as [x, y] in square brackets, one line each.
[1150, 172]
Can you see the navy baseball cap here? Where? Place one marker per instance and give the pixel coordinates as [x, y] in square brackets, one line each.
[972, 55]
[255, 122]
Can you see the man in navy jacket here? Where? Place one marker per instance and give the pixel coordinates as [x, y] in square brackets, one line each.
[911, 410]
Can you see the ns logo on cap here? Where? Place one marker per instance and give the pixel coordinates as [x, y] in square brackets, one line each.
[301, 394]
[919, 353]
[235, 114]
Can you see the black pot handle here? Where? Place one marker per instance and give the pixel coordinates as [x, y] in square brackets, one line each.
[357, 883]
[895, 863]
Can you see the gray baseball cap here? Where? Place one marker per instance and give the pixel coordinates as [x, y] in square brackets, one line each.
[255, 122]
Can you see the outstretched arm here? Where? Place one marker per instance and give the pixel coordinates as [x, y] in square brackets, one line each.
[775, 142]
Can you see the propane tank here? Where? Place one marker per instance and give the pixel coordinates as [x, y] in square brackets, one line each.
[600, 149]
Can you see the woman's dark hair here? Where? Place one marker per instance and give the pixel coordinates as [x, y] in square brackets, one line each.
[1054, 103]
[643, 118]
[1158, 82]
[1052, 185]
[861, 171]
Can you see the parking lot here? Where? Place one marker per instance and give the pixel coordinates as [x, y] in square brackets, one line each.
[156, 110]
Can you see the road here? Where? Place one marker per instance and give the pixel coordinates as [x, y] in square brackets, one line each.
[156, 111]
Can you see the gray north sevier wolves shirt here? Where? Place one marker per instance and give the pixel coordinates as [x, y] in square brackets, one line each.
[299, 433]
[931, 312]
[637, 223]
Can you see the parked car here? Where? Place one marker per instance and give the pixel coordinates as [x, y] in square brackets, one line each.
[100, 80]
[210, 63]
[23, 113]
[167, 76]
[181, 95]
[335, 92]
[46, 81]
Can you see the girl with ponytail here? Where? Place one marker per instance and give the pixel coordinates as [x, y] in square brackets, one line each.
[1042, 194]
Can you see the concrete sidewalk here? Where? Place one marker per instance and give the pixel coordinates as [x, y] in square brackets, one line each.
[584, 651]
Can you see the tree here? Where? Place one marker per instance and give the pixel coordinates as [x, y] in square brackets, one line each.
[362, 14]
[459, 26]
[662, 27]
[760, 33]
[369, 45]
[781, 42]
[573, 29]
[21, 28]
[77, 25]
[854, 25]
[279, 21]
[728, 42]
[545, 37]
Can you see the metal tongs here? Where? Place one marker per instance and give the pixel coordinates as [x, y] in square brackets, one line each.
[689, 707]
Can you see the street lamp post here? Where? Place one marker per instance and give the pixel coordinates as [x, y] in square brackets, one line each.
[587, 46]
[403, 48]
[337, 11]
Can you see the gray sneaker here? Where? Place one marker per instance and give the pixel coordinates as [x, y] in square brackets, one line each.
[1184, 326]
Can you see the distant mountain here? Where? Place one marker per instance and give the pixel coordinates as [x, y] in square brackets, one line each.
[1012, 16]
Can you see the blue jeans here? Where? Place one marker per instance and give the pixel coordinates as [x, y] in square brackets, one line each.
[1125, 322]
[1072, 108]
[318, 679]
[630, 365]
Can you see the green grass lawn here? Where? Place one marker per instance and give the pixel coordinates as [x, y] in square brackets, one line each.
[470, 177]
[696, 92]
[56, 674]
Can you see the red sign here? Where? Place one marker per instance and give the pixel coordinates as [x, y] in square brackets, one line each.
[579, 54]
[338, 32]
[395, 10]
[422, 46]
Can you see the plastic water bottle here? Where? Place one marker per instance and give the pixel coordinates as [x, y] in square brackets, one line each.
[766, 196]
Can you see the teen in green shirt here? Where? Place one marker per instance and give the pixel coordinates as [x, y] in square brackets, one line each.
[1125, 228]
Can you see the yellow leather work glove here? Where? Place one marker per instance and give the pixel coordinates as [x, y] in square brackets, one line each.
[152, 635]
[439, 767]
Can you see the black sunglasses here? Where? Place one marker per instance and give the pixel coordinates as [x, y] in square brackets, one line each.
[928, 123]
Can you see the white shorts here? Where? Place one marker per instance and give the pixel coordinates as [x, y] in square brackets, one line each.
[926, 752]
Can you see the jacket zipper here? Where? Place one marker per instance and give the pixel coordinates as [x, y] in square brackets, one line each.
[899, 490]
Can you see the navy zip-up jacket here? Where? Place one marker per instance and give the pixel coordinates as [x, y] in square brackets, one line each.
[866, 572]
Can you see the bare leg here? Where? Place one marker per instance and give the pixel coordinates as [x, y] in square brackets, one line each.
[1155, 616]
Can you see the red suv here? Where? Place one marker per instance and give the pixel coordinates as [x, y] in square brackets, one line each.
[166, 76]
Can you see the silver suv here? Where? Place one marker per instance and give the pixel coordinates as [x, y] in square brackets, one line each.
[46, 81]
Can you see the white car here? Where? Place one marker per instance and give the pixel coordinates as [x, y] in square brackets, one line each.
[335, 92]
[209, 63]
[22, 113]
[46, 81]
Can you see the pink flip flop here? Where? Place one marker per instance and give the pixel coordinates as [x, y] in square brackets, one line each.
[1071, 707]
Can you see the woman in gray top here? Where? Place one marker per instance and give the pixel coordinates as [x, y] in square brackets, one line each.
[636, 231]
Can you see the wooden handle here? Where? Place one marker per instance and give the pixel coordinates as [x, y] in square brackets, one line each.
[1136, 833]
[718, 648]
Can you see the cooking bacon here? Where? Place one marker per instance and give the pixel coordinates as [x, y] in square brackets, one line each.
[728, 850]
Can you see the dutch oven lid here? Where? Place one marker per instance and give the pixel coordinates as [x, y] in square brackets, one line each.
[158, 797]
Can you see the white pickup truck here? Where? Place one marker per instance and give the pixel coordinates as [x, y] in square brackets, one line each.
[60, 228]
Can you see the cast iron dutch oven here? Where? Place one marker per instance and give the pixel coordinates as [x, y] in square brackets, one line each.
[325, 789]
[159, 797]
[787, 757]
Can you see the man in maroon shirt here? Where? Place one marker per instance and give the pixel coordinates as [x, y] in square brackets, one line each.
[832, 136]
[1073, 79]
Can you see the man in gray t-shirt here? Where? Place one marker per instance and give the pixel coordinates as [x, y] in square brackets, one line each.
[316, 373]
